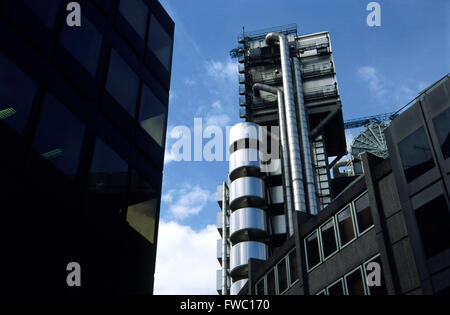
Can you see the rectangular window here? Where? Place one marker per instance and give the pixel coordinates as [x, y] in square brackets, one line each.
[293, 270]
[282, 276]
[59, 135]
[84, 43]
[321, 292]
[259, 289]
[160, 43]
[346, 227]
[312, 250]
[46, 10]
[329, 244]
[270, 278]
[363, 214]
[152, 115]
[136, 13]
[375, 289]
[442, 127]
[415, 153]
[433, 221]
[17, 92]
[142, 206]
[122, 83]
[355, 283]
[336, 288]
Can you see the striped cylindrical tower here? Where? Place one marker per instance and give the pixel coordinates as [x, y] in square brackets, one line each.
[248, 219]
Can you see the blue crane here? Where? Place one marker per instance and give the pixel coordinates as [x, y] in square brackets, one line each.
[359, 122]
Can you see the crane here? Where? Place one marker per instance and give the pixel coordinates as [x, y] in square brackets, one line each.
[359, 122]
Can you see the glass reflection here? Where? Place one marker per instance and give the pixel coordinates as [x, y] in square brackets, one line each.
[46, 10]
[160, 43]
[135, 12]
[442, 126]
[152, 116]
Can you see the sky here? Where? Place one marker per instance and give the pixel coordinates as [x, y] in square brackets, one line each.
[379, 69]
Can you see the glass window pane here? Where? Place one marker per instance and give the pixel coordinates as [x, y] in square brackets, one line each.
[293, 271]
[152, 116]
[442, 127]
[17, 91]
[329, 244]
[433, 221]
[109, 172]
[345, 222]
[282, 275]
[260, 287]
[136, 13]
[336, 288]
[122, 83]
[376, 290]
[355, 284]
[160, 43]
[321, 293]
[312, 250]
[363, 213]
[46, 10]
[84, 43]
[59, 135]
[415, 154]
[142, 207]
[271, 282]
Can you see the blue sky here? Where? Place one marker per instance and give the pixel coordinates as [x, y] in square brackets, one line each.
[379, 69]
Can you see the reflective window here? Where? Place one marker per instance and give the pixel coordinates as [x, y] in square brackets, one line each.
[152, 115]
[160, 43]
[312, 250]
[363, 214]
[282, 275]
[271, 282]
[46, 10]
[354, 282]
[433, 221]
[329, 244]
[415, 154]
[345, 223]
[136, 13]
[17, 91]
[142, 208]
[59, 135]
[293, 271]
[109, 172]
[375, 289]
[84, 43]
[260, 287]
[442, 126]
[122, 83]
[337, 288]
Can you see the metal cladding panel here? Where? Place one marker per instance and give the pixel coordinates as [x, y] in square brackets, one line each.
[219, 221]
[242, 161]
[237, 286]
[276, 194]
[247, 222]
[241, 253]
[279, 224]
[219, 281]
[245, 191]
[219, 249]
[273, 168]
[244, 130]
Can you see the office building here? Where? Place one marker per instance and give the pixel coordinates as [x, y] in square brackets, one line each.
[83, 113]
[295, 229]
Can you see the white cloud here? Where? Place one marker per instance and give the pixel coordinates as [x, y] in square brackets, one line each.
[186, 260]
[190, 82]
[222, 70]
[376, 82]
[187, 200]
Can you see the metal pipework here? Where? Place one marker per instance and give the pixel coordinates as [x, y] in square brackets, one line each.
[224, 240]
[284, 148]
[291, 122]
[306, 145]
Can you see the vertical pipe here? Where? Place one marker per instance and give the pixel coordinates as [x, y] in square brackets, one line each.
[306, 146]
[224, 240]
[291, 122]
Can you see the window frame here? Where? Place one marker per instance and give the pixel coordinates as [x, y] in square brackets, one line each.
[355, 232]
[287, 276]
[365, 272]
[308, 269]
[289, 268]
[263, 279]
[341, 280]
[362, 278]
[324, 291]
[321, 240]
[275, 278]
[356, 215]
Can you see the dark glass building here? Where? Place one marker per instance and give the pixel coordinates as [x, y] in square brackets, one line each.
[83, 114]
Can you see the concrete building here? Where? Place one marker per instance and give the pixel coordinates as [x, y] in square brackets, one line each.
[294, 229]
[83, 113]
